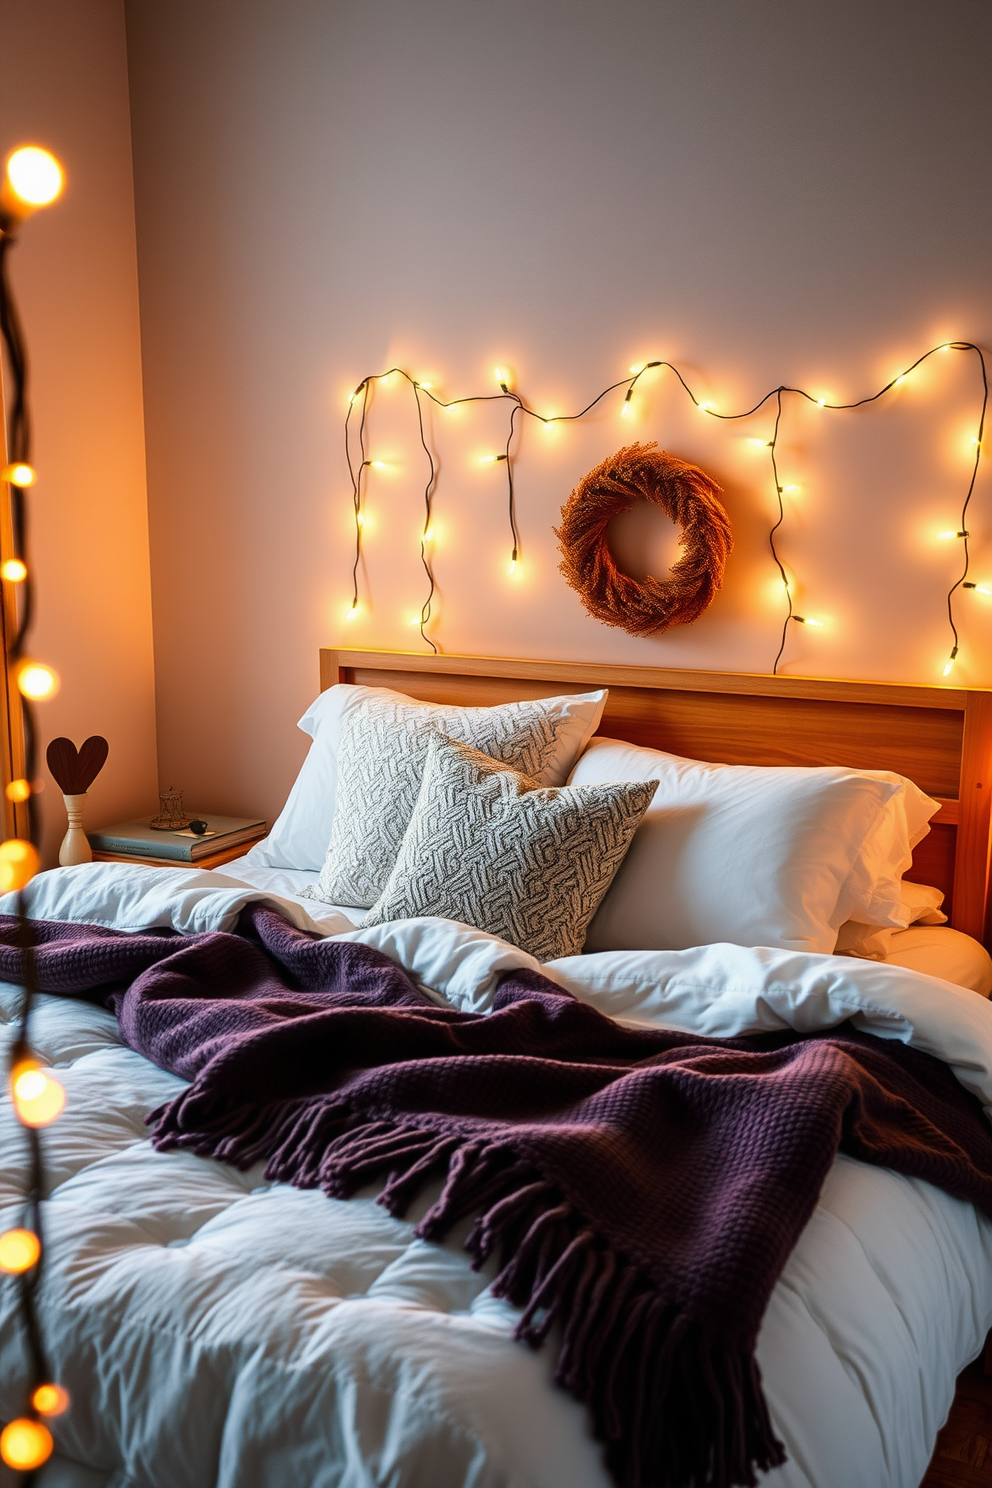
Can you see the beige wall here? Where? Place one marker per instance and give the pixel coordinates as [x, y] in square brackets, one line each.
[764, 191]
[63, 83]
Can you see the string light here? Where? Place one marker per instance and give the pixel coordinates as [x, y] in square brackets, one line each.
[19, 474]
[33, 178]
[776, 395]
[949, 663]
[26, 1444]
[38, 1097]
[19, 1251]
[978, 588]
[19, 862]
[36, 680]
[50, 1400]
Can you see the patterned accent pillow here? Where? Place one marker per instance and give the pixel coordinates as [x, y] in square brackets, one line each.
[380, 764]
[491, 848]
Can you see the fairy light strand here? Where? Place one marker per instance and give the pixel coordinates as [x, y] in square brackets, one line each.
[26, 1442]
[629, 384]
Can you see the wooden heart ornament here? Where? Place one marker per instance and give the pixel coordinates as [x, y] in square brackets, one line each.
[74, 771]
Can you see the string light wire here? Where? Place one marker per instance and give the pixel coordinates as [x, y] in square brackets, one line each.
[26, 1442]
[629, 384]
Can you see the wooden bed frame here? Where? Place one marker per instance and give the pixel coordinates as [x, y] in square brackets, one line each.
[940, 737]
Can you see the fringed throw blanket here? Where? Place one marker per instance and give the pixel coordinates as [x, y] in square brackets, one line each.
[640, 1190]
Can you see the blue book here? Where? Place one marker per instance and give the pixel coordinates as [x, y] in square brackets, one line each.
[140, 840]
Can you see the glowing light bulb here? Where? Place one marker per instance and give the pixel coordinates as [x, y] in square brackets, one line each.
[949, 663]
[502, 377]
[514, 560]
[946, 536]
[808, 620]
[637, 368]
[50, 1400]
[428, 535]
[359, 519]
[377, 464]
[14, 571]
[34, 176]
[761, 443]
[491, 459]
[19, 474]
[19, 1251]
[791, 489]
[19, 862]
[898, 381]
[413, 620]
[821, 402]
[18, 790]
[978, 588]
[37, 681]
[25, 1444]
[38, 1097]
[350, 613]
[549, 425]
[426, 386]
[705, 407]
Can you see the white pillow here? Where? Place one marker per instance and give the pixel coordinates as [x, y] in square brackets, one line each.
[752, 855]
[920, 906]
[302, 830]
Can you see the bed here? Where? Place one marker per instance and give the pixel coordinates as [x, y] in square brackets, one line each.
[216, 1328]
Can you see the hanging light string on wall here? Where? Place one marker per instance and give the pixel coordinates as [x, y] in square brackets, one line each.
[518, 406]
[33, 179]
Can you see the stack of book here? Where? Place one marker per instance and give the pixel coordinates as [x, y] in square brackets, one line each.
[144, 843]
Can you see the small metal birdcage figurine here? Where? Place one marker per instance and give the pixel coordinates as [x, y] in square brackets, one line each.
[171, 812]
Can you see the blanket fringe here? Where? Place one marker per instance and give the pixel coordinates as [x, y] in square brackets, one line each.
[675, 1407]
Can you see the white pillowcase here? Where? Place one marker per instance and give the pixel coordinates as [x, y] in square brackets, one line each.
[920, 906]
[752, 855]
[302, 830]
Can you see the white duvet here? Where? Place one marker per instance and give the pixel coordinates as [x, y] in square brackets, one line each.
[215, 1329]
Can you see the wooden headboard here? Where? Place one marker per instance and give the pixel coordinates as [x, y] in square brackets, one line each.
[940, 737]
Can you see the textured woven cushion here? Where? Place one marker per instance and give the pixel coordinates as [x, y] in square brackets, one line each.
[491, 848]
[380, 763]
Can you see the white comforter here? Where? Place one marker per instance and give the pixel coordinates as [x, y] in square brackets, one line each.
[213, 1328]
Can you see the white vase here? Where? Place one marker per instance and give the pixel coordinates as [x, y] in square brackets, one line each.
[75, 848]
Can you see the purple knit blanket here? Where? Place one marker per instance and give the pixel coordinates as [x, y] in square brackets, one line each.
[640, 1191]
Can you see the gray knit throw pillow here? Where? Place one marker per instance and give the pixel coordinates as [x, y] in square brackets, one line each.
[491, 848]
[381, 764]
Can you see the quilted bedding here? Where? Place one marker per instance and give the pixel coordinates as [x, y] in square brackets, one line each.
[216, 1329]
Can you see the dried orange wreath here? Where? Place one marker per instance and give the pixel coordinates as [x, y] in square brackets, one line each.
[642, 472]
